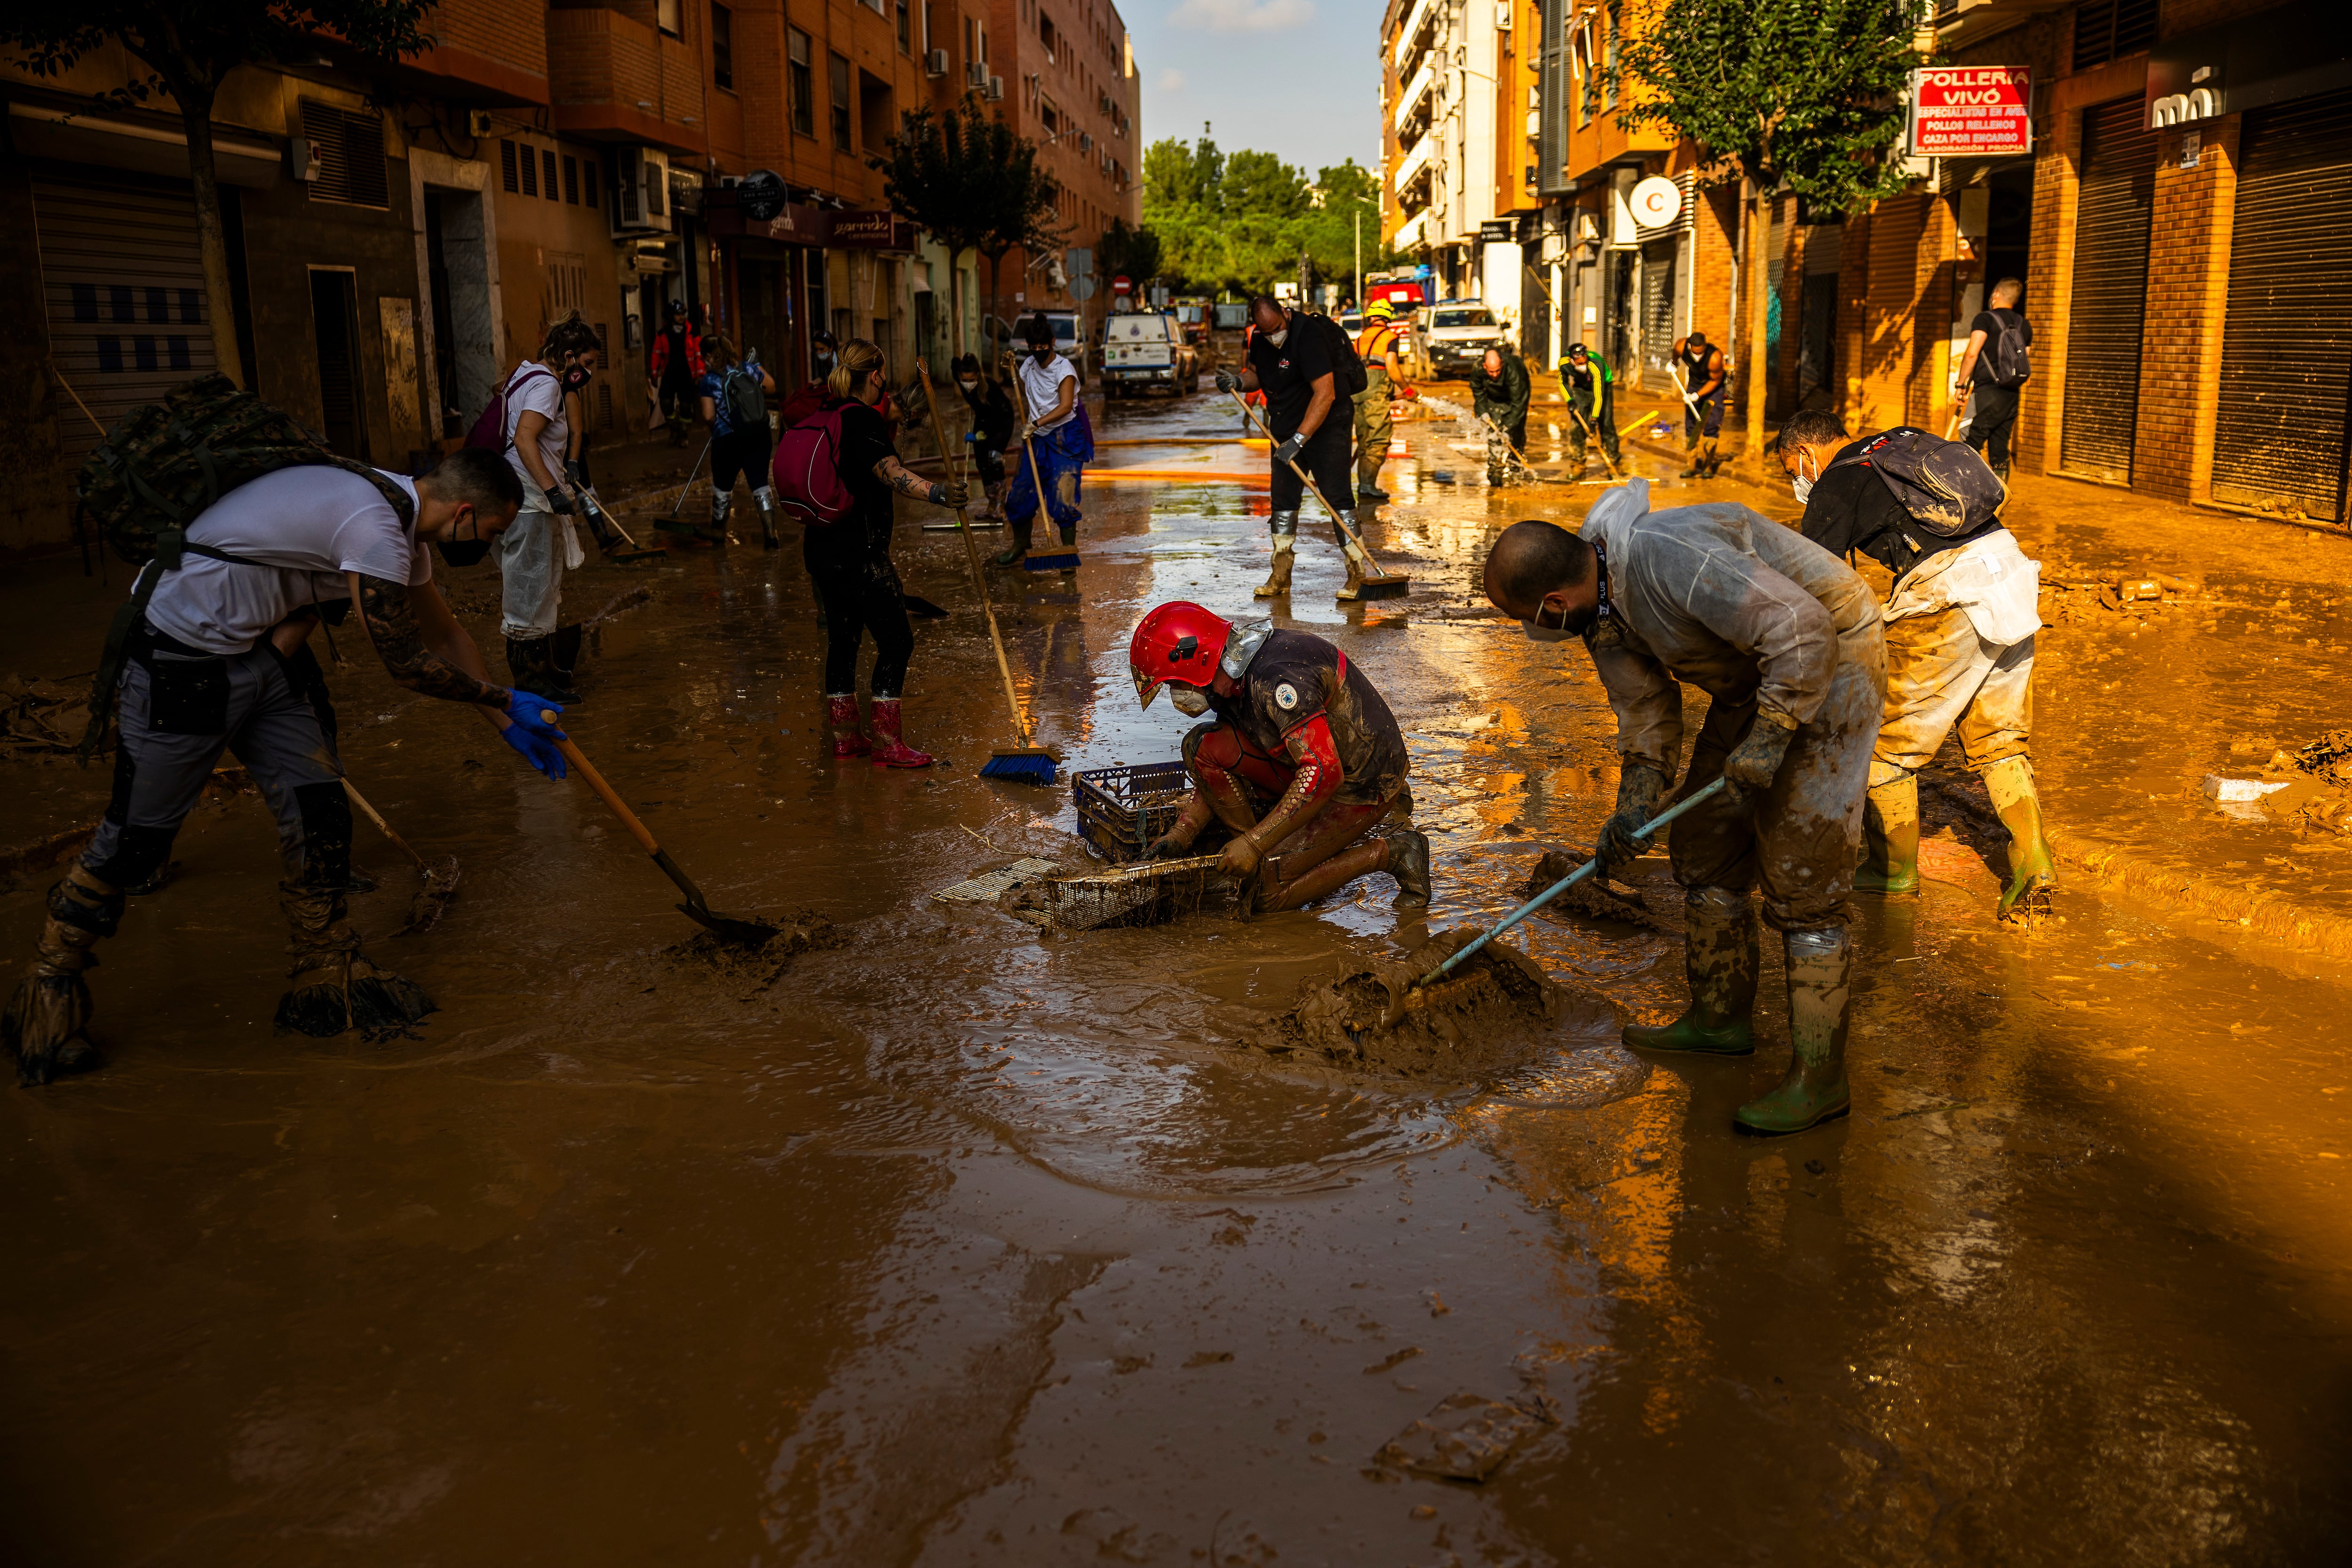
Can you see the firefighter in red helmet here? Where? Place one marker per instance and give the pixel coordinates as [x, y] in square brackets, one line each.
[1298, 754]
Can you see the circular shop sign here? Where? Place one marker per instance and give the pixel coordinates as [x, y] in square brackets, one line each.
[1657, 202]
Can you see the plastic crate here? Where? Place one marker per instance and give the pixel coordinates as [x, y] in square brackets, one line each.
[1120, 810]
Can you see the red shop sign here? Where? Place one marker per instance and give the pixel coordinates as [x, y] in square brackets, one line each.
[1972, 112]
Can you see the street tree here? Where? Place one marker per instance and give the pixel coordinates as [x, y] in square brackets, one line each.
[937, 171]
[188, 48]
[1801, 95]
[1134, 251]
[1020, 198]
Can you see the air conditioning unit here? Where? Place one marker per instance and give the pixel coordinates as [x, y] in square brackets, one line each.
[975, 75]
[1086, 142]
[303, 159]
[640, 192]
[995, 89]
[478, 122]
[935, 63]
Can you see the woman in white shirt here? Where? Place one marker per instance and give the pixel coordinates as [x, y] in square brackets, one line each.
[540, 547]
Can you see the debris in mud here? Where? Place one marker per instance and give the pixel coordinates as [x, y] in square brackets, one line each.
[1468, 1437]
[1494, 1012]
[762, 963]
[990, 885]
[43, 719]
[2328, 758]
[1577, 1081]
[1592, 898]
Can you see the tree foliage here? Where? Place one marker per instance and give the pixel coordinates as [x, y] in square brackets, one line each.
[972, 183]
[1238, 222]
[1132, 251]
[1802, 93]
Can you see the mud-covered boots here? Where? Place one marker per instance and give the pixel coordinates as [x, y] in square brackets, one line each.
[720, 505]
[1890, 833]
[47, 1022]
[1283, 528]
[890, 748]
[841, 718]
[1719, 960]
[333, 985]
[564, 659]
[764, 497]
[1409, 864]
[1820, 965]
[530, 667]
[2032, 864]
[1697, 462]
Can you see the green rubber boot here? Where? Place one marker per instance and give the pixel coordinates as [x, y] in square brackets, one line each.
[1719, 961]
[2032, 864]
[1821, 963]
[1890, 837]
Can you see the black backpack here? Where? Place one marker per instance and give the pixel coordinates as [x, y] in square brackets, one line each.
[2007, 353]
[1348, 377]
[1943, 485]
[747, 405]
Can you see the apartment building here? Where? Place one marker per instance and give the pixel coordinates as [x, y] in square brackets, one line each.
[1448, 134]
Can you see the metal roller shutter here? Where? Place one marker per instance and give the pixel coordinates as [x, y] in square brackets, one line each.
[2286, 342]
[124, 286]
[1658, 260]
[2103, 329]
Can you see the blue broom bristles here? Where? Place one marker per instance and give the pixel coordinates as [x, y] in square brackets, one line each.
[1067, 561]
[1020, 767]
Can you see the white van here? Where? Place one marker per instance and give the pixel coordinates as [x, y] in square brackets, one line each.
[1145, 349]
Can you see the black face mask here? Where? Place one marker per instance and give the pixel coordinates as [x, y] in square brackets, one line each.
[464, 552]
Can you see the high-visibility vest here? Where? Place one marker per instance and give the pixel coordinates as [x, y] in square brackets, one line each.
[1374, 341]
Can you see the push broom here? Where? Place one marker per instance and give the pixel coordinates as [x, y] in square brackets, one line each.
[1061, 560]
[1377, 585]
[1022, 763]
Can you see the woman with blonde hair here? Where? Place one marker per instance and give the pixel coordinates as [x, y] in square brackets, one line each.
[849, 563]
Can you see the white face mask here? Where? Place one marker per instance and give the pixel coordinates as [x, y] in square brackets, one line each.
[1800, 485]
[968, 386]
[1276, 338]
[1190, 700]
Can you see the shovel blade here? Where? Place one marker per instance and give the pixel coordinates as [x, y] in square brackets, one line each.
[730, 930]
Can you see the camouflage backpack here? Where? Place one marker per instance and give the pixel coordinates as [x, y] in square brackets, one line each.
[156, 472]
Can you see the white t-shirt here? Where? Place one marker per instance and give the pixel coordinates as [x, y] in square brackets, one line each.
[310, 525]
[534, 389]
[1041, 383]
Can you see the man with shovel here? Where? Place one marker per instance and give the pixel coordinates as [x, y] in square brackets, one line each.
[1299, 757]
[1785, 638]
[220, 660]
[1590, 385]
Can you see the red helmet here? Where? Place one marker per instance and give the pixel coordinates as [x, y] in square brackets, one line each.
[1177, 641]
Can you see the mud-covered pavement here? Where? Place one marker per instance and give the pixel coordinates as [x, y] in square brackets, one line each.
[953, 1244]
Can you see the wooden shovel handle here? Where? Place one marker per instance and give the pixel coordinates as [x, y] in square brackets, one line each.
[971, 551]
[1304, 478]
[587, 770]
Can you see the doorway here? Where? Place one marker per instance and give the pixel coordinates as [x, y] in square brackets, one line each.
[335, 338]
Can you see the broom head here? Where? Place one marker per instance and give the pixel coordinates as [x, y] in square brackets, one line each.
[1021, 764]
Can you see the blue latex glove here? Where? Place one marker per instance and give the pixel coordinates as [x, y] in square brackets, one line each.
[536, 750]
[524, 708]
[1288, 451]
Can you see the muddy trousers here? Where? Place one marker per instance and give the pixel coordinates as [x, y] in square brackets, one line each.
[1992, 420]
[1603, 421]
[533, 555]
[1374, 427]
[1063, 475]
[1331, 847]
[1326, 458]
[860, 597]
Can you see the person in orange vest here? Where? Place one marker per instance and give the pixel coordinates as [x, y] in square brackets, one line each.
[1378, 346]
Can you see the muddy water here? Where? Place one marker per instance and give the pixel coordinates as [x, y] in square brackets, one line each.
[958, 1244]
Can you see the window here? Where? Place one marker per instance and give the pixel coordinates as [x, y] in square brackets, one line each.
[548, 165]
[2109, 29]
[906, 38]
[507, 166]
[722, 47]
[1048, 116]
[796, 49]
[571, 179]
[837, 69]
[1046, 34]
[529, 162]
[351, 155]
[669, 15]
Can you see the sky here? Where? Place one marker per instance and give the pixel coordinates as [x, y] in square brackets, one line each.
[1299, 79]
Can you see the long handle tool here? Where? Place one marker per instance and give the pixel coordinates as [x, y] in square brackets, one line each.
[727, 928]
[1592, 437]
[1380, 586]
[1952, 425]
[440, 886]
[1396, 1010]
[1022, 763]
[1060, 561]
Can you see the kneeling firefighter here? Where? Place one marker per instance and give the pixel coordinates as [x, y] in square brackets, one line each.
[1785, 637]
[1302, 758]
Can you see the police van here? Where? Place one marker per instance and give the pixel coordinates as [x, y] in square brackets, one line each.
[1145, 350]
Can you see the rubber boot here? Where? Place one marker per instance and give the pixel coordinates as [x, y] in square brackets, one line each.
[335, 986]
[2032, 864]
[1719, 960]
[1353, 588]
[1017, 552]
[841, 718]
[1368, 488]
[890, 749]
[1283, 526]
[1714, 457]
[531, 664]
[563, 659]
[719, 506]
[46, 1025]
[1820, 964]
[764, 497]
[1409, 864]
[1690, 450]
[1890, 834]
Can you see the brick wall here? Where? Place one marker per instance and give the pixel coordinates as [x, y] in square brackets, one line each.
[2050, 290]
[1715, 230]
[496, 29]
[2187, 290]
[1853, 306]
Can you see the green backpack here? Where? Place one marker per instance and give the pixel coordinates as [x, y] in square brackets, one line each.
[156, 472]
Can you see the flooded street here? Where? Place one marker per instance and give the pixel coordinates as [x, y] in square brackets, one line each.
[959, 1244]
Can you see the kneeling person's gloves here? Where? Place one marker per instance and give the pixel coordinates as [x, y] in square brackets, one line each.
[1756, 761]
[1640, 788]
[954, 492]
[1167, 846]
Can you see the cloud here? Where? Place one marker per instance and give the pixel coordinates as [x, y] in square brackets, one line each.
[1170, 80]
[1244, 15]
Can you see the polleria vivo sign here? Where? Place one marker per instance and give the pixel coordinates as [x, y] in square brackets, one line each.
[1966, 112]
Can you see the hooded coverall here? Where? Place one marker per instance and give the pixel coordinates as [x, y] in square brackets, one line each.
[1754, 614]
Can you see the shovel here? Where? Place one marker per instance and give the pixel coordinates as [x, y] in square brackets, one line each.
[440, 885]
[726, 928]
[1403, 999]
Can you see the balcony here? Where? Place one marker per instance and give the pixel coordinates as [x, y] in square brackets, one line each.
[1414, 167]
[1419, 27]
[1414, 102]
[1414, 233]
[612, 78]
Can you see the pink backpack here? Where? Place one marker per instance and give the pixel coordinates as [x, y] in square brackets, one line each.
[807, 471]
[494, 428]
